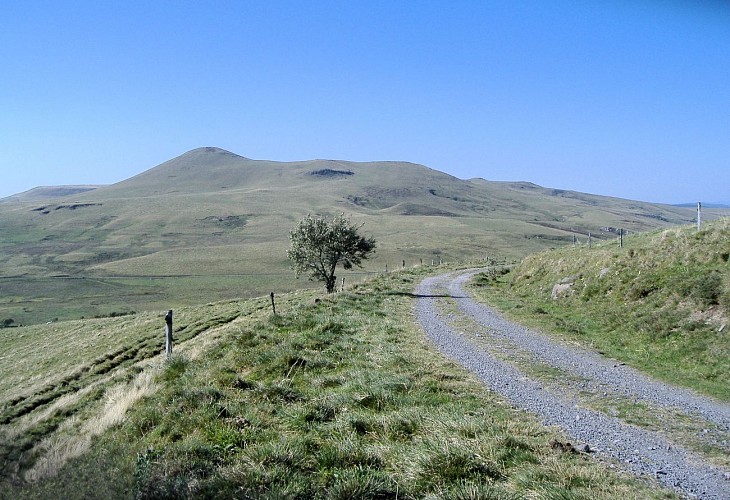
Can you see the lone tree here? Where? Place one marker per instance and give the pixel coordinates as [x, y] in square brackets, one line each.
[318, 244]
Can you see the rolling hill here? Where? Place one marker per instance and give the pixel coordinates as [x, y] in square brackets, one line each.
[210, 225]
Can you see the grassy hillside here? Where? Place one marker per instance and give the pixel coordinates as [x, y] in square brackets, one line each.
[661, 303]
[332, 398]
[211, 225]
[49, 192]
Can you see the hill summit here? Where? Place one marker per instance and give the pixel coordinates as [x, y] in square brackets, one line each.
[211, 224]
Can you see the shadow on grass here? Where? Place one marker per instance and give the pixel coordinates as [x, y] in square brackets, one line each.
[425, 296]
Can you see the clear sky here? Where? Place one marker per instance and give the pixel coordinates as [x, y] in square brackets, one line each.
[627, 98]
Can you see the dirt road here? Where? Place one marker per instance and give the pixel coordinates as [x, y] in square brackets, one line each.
[607, 408]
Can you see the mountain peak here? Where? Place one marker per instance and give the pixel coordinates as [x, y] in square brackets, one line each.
[209, 150]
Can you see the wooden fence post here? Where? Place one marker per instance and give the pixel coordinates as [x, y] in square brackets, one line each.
[404, 264]
[168, 333]
[342, 284]
[621, 238]
[273, 305]
[589, 240]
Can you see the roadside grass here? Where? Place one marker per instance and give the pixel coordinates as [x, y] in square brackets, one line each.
[660, 304]
[335, 397]
[695, 433]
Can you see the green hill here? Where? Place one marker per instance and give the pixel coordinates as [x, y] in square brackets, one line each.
[212, 225]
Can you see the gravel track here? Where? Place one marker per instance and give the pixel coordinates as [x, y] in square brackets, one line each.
[642, 451]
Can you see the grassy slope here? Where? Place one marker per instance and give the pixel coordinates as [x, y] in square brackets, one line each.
[335, 399]
[209, 213]
[660, 304]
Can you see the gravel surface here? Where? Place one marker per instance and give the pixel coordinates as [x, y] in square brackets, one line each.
[641, 451]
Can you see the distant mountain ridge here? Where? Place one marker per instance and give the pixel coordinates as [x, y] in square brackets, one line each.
[210, 214]
[704, 205]
[218, 164]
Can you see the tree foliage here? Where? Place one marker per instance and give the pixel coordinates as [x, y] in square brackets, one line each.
[319, 244]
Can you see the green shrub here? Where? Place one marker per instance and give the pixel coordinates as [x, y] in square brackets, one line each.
[704, 288]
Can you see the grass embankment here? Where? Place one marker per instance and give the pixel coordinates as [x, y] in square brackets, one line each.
[64, 383]
[661, 303]
[339, 398]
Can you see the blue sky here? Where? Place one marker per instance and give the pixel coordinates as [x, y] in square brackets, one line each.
[627, 98]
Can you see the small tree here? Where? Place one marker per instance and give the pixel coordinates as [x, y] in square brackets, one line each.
[319, 244]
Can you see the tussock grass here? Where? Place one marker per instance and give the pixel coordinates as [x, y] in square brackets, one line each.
[341, 398]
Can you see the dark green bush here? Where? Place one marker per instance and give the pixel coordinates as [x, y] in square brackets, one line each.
[704, 288]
